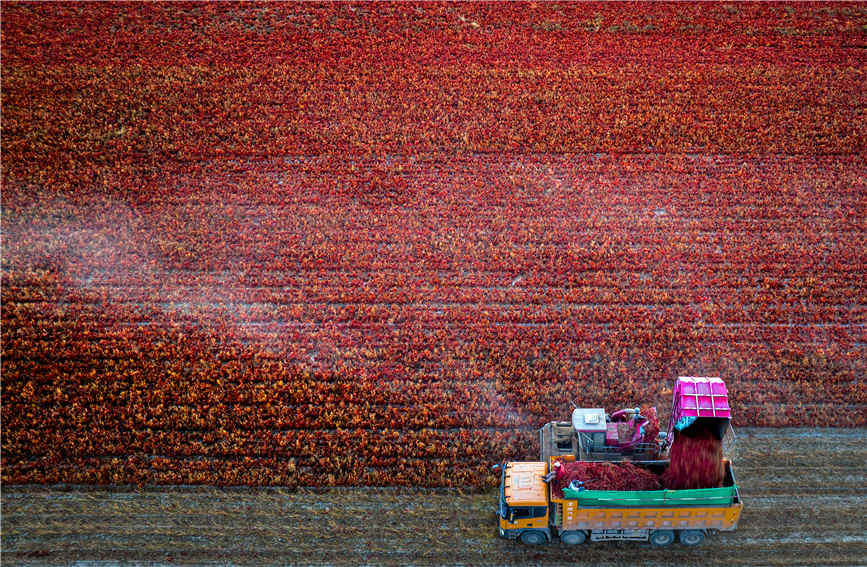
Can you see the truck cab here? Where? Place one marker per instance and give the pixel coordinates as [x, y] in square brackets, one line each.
[523, 508]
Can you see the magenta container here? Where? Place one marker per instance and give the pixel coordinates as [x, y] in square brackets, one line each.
[700, 399]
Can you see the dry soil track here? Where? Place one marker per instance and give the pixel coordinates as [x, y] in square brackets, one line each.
[805, 492]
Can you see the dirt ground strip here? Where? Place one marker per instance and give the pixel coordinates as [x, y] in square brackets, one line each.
[805, 492]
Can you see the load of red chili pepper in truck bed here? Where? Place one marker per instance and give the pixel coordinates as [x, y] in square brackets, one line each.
[602, 475]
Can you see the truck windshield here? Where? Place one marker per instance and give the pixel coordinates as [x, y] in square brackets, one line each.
[529, 511]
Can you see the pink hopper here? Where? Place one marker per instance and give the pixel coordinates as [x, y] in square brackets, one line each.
[700, 399]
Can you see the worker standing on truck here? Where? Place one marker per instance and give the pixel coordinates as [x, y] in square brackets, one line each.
[557, 472]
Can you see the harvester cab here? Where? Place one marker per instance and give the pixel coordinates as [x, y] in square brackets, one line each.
[594, 435]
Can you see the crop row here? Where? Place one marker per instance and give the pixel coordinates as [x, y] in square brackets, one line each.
[88, 92]
[178, 398]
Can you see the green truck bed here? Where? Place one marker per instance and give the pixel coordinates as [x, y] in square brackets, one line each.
[724, 496]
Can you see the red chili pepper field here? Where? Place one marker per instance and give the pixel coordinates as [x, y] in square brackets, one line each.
[362, 243]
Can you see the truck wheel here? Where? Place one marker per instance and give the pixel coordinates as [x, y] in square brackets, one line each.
[573, 537]
[660, 538]
[691, 537]
[533, 538]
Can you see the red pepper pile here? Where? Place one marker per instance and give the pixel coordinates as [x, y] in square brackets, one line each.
[601, 475]
[696, 462]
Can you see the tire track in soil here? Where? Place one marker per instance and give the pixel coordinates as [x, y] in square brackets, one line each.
[804, 490]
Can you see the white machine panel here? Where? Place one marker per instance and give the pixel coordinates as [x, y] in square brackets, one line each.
[588, 420]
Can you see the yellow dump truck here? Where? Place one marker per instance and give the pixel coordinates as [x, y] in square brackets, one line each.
[530, 512]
